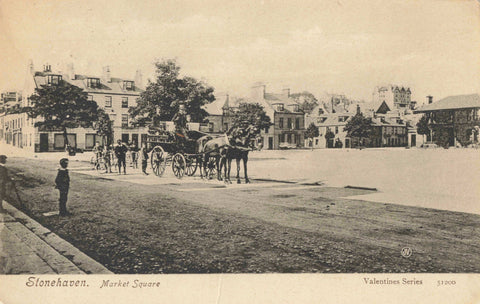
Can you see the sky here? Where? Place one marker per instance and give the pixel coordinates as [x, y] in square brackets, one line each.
[328, 46]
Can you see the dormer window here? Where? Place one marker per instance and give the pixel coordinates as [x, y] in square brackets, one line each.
[54, 79]
[280, 107]
[295, 108]
[93, 83]
[128, 85]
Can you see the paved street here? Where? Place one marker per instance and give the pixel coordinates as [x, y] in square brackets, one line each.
[27, 247]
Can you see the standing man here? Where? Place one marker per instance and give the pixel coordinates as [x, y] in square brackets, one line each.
[144, 154]
[62, 183]
[3, 181]
[120, 153]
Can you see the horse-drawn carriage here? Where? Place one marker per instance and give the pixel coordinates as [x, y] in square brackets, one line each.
[179, 151]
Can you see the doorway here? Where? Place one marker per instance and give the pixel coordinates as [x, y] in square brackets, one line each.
[43, 142]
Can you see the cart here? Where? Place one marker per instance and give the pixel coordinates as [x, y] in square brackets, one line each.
[170, 149]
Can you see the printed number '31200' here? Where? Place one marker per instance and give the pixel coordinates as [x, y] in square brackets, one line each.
[446, 283]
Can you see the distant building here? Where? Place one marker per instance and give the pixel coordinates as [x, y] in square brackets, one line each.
[389, 128]
[288, 126]
[9, 99]
[394, 97]
[456, 117]
[114, 95]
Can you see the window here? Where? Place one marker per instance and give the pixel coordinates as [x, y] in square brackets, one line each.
[124, 102]
[210, 127]
[280, 123]
[90, 97]
[93, 83]
[266, 129]
[289, 123]
[54, 79]
[225, 126]
[128, 85]
[336, 129]
[124, 120]
[280, 138]
[297, 123]
[108, 101]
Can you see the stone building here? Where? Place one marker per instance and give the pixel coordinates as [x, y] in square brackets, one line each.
[454, 120]
[114, 95]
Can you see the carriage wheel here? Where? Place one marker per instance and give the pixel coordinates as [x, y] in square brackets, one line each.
[158, 160]
[211, 168]
[178, 165]
[192, 164]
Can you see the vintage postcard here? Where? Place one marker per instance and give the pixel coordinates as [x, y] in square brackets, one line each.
[240, 151]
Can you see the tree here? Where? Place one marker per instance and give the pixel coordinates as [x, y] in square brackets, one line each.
[311, 132]
[422, 126]
[306, 100]
[160, 101]
[62, 106]
[104, 127]
[250, 114]
[329, 136]
[359, 127]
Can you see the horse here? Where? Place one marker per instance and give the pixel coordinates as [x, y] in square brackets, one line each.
[210, 147]
[242, 143]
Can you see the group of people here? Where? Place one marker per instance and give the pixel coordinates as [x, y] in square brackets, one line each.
[120, 152]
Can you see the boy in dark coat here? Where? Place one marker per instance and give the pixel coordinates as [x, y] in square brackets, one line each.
[3, 181]
[62, 183]
[144, 155]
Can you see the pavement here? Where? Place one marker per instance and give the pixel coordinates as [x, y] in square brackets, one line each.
[26, 247]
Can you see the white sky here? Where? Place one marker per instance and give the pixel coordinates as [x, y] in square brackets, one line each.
[321, 46]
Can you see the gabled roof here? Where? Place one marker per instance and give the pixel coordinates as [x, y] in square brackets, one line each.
[332, 119]
[451, 103]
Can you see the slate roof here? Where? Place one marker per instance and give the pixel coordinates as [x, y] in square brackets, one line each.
[113, 87]
[451, 103]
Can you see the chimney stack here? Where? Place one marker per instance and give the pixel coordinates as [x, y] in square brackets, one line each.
[31, 68]
[258, 91]
[139, 79]
[429, 99]
[286, 92]
[106, 77]
[70, 71]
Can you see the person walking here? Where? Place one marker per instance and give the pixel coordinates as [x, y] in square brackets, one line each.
[3, 181]
[144, 155]
[120, 153]
[107, 159]
[62, 183]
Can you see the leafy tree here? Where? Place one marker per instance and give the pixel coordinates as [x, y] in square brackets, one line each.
[359, 127]
[62, 106]
[329, 136]
[250, 114]
[160, 101]
[306, 100]
[422, 126]
[311, 132]
[104, 126]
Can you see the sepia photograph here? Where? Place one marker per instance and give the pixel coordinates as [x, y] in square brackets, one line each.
[240, 151]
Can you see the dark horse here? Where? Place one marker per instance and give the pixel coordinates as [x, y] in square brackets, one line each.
[242, 140]
[235, 144]
[212, 149]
